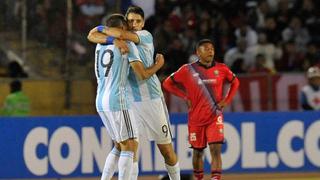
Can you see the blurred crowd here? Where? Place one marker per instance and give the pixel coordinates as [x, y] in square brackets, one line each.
[250, 36]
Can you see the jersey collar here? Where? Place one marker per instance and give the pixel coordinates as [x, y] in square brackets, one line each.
[207, 67]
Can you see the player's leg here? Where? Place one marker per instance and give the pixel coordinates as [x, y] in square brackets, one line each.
[197, 162]
[125, 164]
[128, 143]
[171, 160]
[216, 162]
[198, 142]
[215, 136]
[114, 154]
[155, 121]
[112, 159]
[135, 170]
[167, 151]
[135, 166]
[123, 125]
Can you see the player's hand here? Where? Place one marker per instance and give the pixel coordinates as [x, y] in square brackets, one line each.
[122, 45]
[189, 103]
[159, 59]
[222, 104]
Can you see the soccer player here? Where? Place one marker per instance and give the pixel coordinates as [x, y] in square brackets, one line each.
[113, 106]
[149, 106]
[201, 85]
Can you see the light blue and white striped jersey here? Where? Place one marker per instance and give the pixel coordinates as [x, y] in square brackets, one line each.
[112, 69]
[149, 88]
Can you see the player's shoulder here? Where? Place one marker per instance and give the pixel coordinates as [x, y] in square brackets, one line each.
[144, 33]
[182, 68]
[186, 66]
[100, 46]
[221, 65]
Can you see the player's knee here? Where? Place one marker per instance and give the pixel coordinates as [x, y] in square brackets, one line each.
[197, 153]
[129, 145]
[215, 151]
[117, 146]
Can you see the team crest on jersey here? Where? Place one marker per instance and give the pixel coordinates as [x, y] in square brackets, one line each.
[216, 72]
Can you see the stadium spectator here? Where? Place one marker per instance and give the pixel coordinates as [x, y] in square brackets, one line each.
[247, 33]
[90, 13]
[270, 52]
[296, 32]
[189, 20]
[312, 57]
[175, 56]
[257, 15]
[223, 36]
[306, 10]
[310, 93]
[283, 13]
[239, 52]
[238, 66]
[291, 60]
[16, 103]
[15, 70]
[261, 66]
[271, 30]
[163, 34]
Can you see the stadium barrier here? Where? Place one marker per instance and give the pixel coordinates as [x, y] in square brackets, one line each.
[76, 146]
[258, 92]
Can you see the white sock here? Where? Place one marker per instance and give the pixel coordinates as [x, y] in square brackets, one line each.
[174, 171]
[135, 171]
[110, 164]
[125, 165]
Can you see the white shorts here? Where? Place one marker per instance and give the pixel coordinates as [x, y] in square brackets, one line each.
[153, 120]
[121, 125]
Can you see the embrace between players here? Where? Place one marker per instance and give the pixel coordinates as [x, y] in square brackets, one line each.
[130, 99]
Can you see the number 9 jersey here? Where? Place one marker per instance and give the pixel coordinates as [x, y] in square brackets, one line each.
[111, 69]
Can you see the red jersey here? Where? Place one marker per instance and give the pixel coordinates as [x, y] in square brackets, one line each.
[203, 86]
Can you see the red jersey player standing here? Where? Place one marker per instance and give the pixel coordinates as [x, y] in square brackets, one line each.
[201, 85]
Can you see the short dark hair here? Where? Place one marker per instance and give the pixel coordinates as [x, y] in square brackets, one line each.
[15, 86]
[116, 20]
[135, 10]
[203, 41]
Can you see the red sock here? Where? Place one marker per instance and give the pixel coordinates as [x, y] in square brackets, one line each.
[216, 175]
[198, 174]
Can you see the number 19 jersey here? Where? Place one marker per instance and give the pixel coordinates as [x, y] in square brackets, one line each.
[111, 69]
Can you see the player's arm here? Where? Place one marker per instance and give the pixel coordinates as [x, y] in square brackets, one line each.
[121, 34]
[144, 73]
[115, 33]
[232, 91]
[96, 37]
[172, 86]
[138, 67]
